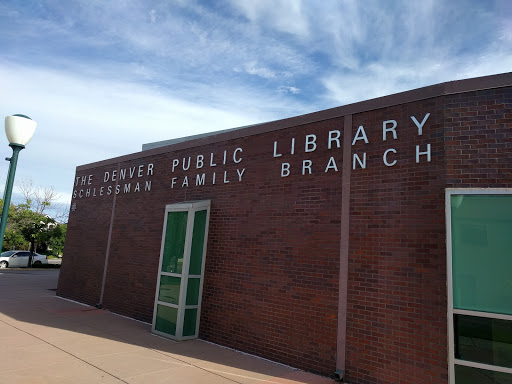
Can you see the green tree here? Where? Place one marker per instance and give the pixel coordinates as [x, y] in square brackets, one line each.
[53, 238]
[13, 239]
[28, 225]
[33, 226]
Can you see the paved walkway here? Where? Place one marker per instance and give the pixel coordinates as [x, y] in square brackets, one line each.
[46, 339]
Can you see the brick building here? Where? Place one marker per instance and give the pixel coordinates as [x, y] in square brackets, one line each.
[369, 238]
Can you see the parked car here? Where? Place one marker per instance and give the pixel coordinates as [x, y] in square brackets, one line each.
[16, 259]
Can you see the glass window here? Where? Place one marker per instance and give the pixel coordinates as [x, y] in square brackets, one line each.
[177, 298]
[196, 253]
[482, 252]
[174, 246]
[483, 340]
[169, 289]
[193, 291]
[166, 319]
[480, 238]
[189, 324]
[471, 375]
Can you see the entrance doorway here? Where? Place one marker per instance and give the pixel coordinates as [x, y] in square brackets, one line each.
[181, 269]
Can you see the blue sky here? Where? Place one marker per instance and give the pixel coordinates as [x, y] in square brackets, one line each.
[103, 77]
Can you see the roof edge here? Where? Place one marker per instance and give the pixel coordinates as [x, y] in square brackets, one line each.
[428, 92]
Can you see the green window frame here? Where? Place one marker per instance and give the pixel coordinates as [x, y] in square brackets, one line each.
[479, 274]
[179, 288]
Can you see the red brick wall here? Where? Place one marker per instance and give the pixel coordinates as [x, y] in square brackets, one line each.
[396, 324]
[479, 139]
[82, 271]
[271, 276]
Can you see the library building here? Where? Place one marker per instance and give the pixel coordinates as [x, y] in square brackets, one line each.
[370, 242]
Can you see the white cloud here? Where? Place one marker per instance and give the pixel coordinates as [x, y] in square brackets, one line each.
[287, 89]
[85, 119]
[106, 77]
[254, 69]
[283, 15]
[152, 16]
[386, 78]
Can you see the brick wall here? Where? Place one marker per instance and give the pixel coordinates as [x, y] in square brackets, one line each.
[479, 139]
[82, 271]
[272, 264]
[396, 324]
[271, 274]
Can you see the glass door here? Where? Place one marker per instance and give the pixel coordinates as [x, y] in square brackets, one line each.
[180, 276]
[479, 244]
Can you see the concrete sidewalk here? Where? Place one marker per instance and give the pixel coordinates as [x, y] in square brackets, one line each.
[46, 339]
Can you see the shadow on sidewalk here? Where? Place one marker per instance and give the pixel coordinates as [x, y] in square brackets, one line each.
[29, 303]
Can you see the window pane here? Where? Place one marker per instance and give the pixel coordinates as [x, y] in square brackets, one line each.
[483, 340]
[166, 319]
[196, 252]
[482, 252]
[169, 289]
[174, 245]
[470, 375]
[193, 291]
[189, 324]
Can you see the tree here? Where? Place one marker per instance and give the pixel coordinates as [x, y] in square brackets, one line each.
[29, 225]
[33, 226]
[13, 239]
[39, 199]
[53, 238]
[43, 200]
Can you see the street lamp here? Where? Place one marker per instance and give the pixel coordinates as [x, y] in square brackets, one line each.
[19, 129]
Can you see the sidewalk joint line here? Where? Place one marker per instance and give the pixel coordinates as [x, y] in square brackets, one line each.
[69, 353]
[151, 349]
[193, 365]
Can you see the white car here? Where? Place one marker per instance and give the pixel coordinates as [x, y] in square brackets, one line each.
[15, 259]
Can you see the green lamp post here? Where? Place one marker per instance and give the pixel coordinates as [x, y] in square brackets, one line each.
[19, 129]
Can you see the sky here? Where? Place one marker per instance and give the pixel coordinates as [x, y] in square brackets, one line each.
[101, 78]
